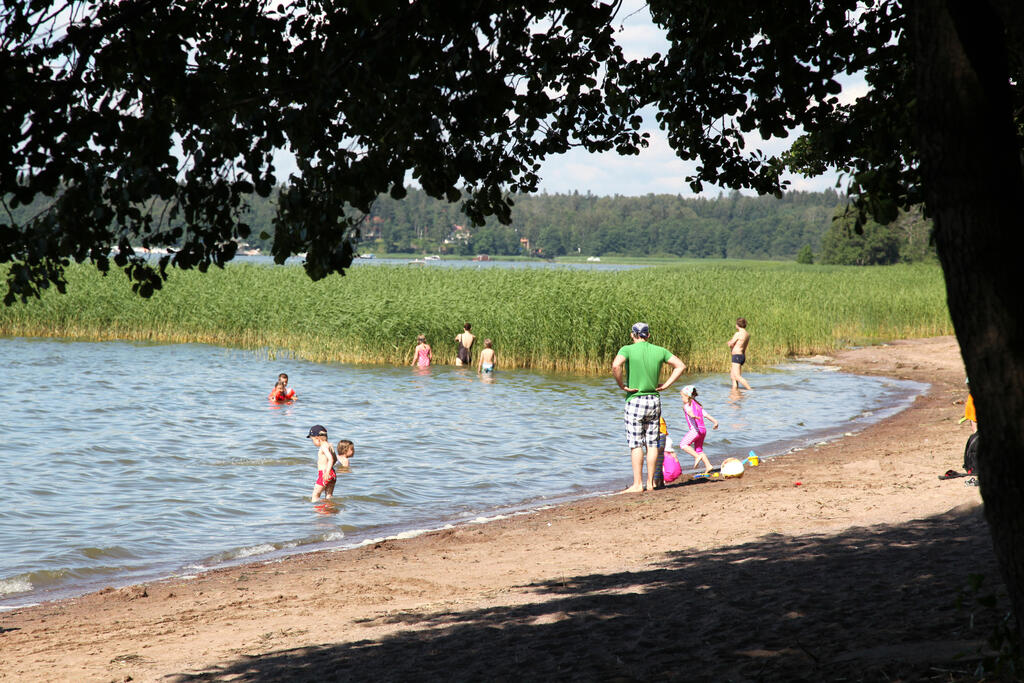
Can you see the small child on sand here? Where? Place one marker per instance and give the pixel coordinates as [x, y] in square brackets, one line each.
[693, 441]
[345, 450]
[487, 358]
[970, 414]
[667, 466]
[659, 464]
[325, 459]
[281, 392]
[422, 354]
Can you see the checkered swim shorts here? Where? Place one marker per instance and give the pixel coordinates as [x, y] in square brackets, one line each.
[641, 420]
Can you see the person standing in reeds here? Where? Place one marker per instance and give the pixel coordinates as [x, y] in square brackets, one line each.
[738, 346]
[422, 354]
[465, 339]
[640, 362]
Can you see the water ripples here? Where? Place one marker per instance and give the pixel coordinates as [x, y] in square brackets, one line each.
[122, 462]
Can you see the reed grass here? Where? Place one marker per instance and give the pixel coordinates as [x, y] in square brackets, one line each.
[561, 319]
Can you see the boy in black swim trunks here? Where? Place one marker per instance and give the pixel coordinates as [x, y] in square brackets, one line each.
[738, 344]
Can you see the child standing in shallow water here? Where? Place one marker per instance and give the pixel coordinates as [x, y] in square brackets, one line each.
[487, 358]
[693, 441]
[325, 459]
[345, 450]
[422, 353]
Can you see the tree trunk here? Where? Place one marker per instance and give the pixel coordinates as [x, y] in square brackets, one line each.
[971, 167]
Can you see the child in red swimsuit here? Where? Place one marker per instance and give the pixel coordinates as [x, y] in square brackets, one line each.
[281, 393]
[325, 459]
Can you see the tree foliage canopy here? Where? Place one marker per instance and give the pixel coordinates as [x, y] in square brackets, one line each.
[148, 121]
[111, 104]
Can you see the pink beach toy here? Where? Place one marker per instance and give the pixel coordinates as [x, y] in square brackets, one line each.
[670, 468]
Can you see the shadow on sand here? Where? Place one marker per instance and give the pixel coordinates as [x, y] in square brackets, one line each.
[870, 604]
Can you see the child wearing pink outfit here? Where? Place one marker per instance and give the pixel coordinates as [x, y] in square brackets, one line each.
[693, 441]
[422, 353]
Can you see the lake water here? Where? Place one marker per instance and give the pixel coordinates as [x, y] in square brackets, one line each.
[126, 462]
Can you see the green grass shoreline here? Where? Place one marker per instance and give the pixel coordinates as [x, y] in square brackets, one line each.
[554, 319]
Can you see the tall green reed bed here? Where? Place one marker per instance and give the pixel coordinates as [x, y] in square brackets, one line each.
[561, 319]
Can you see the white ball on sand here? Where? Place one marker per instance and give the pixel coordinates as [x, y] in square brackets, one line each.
[731, 467]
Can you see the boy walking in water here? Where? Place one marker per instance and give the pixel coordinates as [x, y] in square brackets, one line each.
[325, 459]
[641, 363]
[738, 344]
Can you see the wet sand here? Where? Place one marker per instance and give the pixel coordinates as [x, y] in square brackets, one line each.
[853, 573]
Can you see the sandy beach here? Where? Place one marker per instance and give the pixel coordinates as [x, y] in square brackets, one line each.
[841, 562]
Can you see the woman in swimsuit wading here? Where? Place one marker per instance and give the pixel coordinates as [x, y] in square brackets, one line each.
[464, 355]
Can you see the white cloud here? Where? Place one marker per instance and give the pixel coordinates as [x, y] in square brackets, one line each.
[819, 184]
[854, 87]
[656, 169]
[636, 33]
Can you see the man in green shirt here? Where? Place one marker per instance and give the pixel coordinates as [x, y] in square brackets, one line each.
[642, 363]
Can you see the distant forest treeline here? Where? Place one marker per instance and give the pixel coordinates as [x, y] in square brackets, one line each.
[732, 226]
[806, 226]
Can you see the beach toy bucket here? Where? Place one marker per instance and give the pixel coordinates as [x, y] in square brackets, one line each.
[731, 467]
[753, 460]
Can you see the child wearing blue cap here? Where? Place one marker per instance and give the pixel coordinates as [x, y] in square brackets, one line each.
[326, 457]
